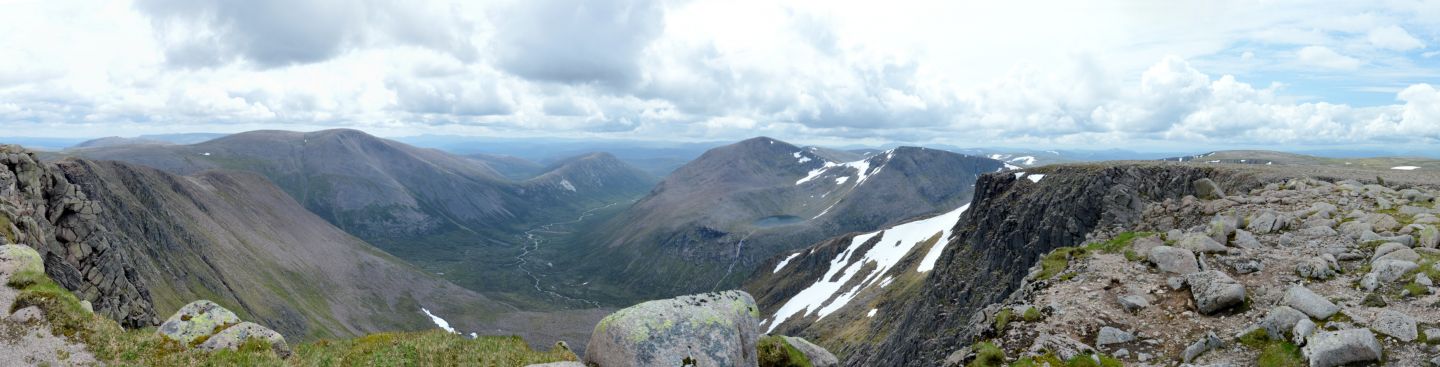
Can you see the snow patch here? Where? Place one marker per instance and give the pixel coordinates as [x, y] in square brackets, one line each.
[439, 321]
[862, 168]
[841, 180]
[1007, 167]
[1405, 168]
[886, 281]
[872, 312]
[566, 184]
[207, 154]
[1035, 178]
[802, 158]
[1020, 174]
[928, 262]
[1026, 160]
[784, 262]
[828, 295]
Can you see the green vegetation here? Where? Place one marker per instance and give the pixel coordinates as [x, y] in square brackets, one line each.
[1056, 262]
[774, 351]
[987, 355]
[5, 229]
[113, 345]
[1032, 315]
[1120, 243]
[1273, 353]
[1002, 319]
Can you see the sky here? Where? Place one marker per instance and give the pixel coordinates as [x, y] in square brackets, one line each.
[1070, 74]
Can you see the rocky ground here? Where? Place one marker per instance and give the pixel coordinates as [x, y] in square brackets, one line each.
[25, 339]
[1304, 272]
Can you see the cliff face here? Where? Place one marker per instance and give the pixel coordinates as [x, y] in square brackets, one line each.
[1015, 219]
[41, 208]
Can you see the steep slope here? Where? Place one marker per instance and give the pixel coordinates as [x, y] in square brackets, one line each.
[139, 243]
[708, 224]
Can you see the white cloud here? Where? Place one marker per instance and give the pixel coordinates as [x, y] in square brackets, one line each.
[910, 71]
[1393, 38]
[1324, 57]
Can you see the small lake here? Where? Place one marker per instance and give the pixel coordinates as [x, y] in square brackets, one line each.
[777, 220]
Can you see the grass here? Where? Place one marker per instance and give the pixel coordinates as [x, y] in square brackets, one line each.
[1273, 353]
[113, 345]
[1120, 243]
[1002, 319]
[987, 355]
[1032, 315]
[1056, 261]
[774, 351]
[1050, 359]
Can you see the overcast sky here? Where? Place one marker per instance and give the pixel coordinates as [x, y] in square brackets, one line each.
[1100, 74]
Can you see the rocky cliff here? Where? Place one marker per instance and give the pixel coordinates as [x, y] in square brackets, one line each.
[41, 208]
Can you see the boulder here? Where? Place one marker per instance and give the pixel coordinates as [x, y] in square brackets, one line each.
[1280, 321]
[1387, 271]
[1338, 348]
[1201, 243]
[1109, 335]
[558, 364]
[197, 319]
[232, 337]
[1134, 302]
[1386, 249]
[1304, 300]
[1402, 254]
[19, 258]
[1320, 231]
[1395, 324]
[1208, 190]
[1265, 222]
[1244, 239]
[818, 356]
[1174, 260]
[1222, 227]
[1205, 344]
[1355, 229]
[1302, 330]
[711, 329]
[1429, 237]
[25, 315]
[1214, 291]
[1143, 245]
[1315, 268]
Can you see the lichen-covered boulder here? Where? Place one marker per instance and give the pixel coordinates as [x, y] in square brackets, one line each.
[1338, 348]
[711, 329]
[1214, 291]
[197, 319]
[1208, 189]
[232, 337]
[18, 258]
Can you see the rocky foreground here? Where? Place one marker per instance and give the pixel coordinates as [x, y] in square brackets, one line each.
[1300, 272]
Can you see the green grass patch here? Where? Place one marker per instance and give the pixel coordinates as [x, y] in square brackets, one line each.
[115, 346]
[774, 351]
[1002, 319]
[1273, 353]
[1056, 261]
[1120, 243]
[1086, 360]
[987, 355]
[1032, 315]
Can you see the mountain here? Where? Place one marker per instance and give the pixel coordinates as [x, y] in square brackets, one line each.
[656, 158]
[139, 243]
[711, 222]
[448, 214]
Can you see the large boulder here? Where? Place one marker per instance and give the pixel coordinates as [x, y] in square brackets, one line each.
[1279, 322]
[195, 320]
[232, 337]
[1395, 324]
[1305, 300]
[1173, 259]
[818, 356]
[1338, 348]
[18, 258]
[1387, 271]
[712, 329]
[1201, 243]
[1214, 291]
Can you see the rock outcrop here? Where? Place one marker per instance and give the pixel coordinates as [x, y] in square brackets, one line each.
[42, 209]
[712, 329]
